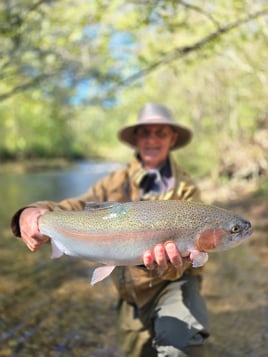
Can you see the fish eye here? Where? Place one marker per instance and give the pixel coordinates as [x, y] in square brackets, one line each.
[235, 229]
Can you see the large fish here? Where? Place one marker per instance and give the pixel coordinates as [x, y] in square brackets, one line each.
[114, 234]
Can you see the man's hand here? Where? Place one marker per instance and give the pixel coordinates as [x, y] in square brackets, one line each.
[161, 255]
[30, 233]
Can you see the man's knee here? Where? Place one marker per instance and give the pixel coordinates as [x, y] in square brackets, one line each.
[170, 351]
[188, 351]
[171, 333]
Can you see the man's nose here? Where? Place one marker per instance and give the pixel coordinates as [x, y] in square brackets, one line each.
[152, 136]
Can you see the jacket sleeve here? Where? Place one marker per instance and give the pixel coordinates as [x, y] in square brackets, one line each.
[186, 189]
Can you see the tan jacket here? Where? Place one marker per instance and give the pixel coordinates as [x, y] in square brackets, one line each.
[135, 284]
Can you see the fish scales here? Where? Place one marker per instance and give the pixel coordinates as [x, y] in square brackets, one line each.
[149, 214]
[115, 233]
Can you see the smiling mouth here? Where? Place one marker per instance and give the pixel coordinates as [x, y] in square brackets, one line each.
[151, 150]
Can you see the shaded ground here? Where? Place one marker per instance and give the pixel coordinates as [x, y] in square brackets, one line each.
[235, 285]
[48, 308]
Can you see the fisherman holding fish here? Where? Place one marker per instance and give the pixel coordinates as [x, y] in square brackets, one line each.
[161, 311]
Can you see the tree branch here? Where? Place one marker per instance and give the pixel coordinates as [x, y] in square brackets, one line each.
[184, 51]
[30, 84]
[168, 57]
[200, 11]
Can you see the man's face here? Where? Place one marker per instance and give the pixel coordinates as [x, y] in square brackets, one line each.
[154, 142]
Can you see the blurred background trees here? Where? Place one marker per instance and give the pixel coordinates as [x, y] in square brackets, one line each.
[72, 72]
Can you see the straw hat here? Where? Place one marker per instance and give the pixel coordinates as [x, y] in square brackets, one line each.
[153, 113]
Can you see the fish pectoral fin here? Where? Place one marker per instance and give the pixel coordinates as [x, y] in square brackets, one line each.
[101, 273]
[56, 251]
[198, 258]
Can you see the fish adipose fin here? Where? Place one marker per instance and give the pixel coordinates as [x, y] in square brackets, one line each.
[101, 273]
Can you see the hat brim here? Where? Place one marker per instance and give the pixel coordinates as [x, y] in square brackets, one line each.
[127, 134]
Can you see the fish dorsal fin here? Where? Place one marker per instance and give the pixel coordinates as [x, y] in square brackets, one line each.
[109, 210]
[100, 205]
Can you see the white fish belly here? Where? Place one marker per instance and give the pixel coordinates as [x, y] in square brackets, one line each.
[116, 249]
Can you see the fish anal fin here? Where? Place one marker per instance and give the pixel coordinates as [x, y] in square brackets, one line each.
[101, 273]
[56, 251]
[198, 258]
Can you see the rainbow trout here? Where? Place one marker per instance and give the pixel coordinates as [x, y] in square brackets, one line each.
[114, 234]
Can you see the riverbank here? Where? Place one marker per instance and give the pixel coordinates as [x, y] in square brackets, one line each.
[33, 165]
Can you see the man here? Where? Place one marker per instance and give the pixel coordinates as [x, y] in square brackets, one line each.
[161, 311]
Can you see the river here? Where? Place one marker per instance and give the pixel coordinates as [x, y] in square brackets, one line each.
[48, 308]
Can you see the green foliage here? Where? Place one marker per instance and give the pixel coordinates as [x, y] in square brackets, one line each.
[34, 128]
[207, 62]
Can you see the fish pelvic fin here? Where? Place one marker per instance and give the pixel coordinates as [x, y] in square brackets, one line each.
[101, 273]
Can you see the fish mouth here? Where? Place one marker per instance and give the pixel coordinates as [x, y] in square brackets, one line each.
[245, 233]
[248, 233]
[247, 230]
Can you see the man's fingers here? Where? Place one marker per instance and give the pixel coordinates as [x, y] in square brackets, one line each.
[148, 260]
[31, 243]
[173, 254]
[30, 233]
[160, 256]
